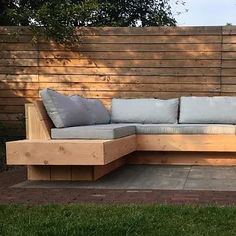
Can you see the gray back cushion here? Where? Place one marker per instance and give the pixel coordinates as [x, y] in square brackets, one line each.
[65, 111]
[98, 111]
[218, 110]
[152, 111]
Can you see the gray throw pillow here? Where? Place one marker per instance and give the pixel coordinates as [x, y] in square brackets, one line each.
[152, 111]
[65, 111]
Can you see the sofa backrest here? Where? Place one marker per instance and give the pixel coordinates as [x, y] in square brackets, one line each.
[210, 110]
[152, 111]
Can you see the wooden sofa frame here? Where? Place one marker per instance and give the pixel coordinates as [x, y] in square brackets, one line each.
[48, 159]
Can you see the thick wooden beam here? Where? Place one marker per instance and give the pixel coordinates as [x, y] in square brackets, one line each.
[68, 152]
[197, 143]
[34, 127]
[182, 158]
[55, 152]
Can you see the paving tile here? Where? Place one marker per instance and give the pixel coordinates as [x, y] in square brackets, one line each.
[210, 184]
[168, 171]
[212, 172]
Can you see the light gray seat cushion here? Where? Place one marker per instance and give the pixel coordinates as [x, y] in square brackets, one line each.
[108, 131]
[149, 111]
[185, 129]
[65, 111]
[113, 131]
[210, 110]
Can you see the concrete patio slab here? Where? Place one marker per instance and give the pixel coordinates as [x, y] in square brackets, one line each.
[208, 172]
[153, 177]
[211, 184]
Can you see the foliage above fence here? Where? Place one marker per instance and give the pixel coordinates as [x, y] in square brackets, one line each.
[57, 19]
[117, 62]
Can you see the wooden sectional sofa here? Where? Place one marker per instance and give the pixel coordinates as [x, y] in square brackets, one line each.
[49, 159]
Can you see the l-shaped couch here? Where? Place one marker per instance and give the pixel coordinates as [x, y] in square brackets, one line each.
[73, 138]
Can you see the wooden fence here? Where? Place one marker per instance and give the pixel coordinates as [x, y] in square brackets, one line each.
[117, 62]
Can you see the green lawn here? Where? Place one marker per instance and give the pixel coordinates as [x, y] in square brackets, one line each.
[117, 220]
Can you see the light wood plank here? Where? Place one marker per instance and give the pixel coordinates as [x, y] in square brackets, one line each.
[139, 94]
[91, 152]
[18, 62]
[18, 46]
[130, 87]
[45, 122]
[18, 85]
[197, 143]
[228, 63]
[114, 149]
[10, 93]
[182, 158]
[19, 54]
[15, 30]
[38, 173]
[228, 55]
[123, 71]
[34, 126]
[136, 79]
[100, 171]
[20, 70]
[60, 172]
[138, 63]
[150, 39]
[5, 78]
[189, 30]
[165, 55]
[39, 152]
[132, 47]
[82, 173]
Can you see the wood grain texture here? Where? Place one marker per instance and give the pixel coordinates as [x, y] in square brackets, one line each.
[196, 143]
[33, 128]
[39, 152]
[182, 158]
[68, 152]
[38, 173]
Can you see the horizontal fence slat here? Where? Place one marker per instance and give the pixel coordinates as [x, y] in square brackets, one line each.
[128, 71]
[229, 88]
[19, 93]
[228, 80]
[18, 78]
[128, 79]
[130, 87]
[18, 70]
[124, 39]
[19, 54]
[130, 55]
[134, 94]
[12, 109]
[18, 46]
[134, 47]
[228, 55]
[126, 63]
[19, 85]
[18, 62]
[228, 71]
[208, 30]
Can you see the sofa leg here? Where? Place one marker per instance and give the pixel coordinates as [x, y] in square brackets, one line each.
[72, 173]
[38, 172]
